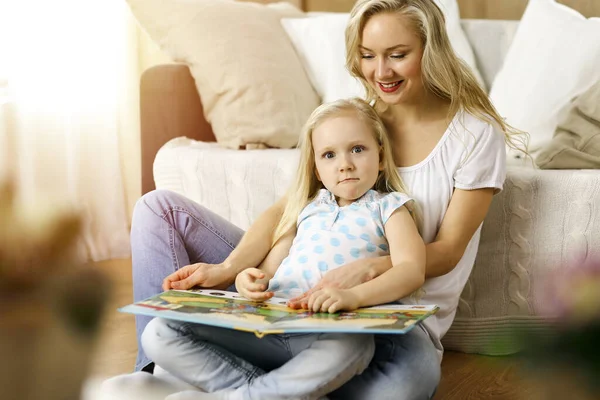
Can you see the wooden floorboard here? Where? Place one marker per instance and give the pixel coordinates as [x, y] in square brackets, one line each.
[116, 347]
[464, 376]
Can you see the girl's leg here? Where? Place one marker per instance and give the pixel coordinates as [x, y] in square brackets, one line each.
[170, 231]
[405, 367]
[218, 360]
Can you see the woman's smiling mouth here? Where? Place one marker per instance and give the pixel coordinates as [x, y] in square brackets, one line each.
[389, 87]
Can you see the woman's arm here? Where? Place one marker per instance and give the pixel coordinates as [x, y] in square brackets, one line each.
[465, 213]
[249, 253]
[256, 242]
[407, 255]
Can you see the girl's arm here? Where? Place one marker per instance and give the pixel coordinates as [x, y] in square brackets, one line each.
[277, 254]
[252, 283]
[407, 255]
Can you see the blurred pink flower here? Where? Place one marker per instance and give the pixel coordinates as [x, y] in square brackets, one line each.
[572, 293]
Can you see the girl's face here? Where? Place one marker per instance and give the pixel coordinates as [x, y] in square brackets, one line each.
[391, 55]
[347, 157]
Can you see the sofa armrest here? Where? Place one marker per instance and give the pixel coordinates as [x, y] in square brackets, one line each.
[169, 107]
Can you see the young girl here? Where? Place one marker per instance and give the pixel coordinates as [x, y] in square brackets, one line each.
[348, 202]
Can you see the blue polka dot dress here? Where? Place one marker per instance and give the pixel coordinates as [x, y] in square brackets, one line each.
[330, 236]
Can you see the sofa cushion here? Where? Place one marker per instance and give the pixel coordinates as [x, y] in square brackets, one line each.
[576, 142]
[533, 226]
[320, 44]
[253, 88]
[553, 58]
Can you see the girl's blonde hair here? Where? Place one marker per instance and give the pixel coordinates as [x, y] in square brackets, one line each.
[444, 73]
[306, 185]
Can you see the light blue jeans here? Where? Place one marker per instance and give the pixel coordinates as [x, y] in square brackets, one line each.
[301, 366]
[169, 231]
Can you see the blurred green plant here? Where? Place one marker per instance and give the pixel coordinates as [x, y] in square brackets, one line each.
[567, 347]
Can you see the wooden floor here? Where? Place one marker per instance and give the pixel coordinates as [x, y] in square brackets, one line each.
[464, 376]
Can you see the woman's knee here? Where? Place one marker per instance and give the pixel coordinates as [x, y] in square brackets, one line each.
[154, 204]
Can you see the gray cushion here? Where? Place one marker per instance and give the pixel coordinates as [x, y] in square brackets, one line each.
[576, 142]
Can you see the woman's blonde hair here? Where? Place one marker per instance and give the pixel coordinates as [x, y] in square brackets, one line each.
[306, 185]
[443, 72]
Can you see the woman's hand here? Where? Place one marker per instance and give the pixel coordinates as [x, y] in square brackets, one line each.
[344, 277]
[252, 283]
[214, 276]
[332, 300]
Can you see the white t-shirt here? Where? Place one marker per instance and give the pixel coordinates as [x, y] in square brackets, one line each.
[470, 155]
[330, 236]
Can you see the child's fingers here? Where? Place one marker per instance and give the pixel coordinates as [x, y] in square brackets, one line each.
[259, 296]
[251, 284]
[316, 301]
[326, 304]
[310, 302]
[309, 298]
[255, 273]
[335, 307]
[298, 301]
[303, 297]
[248, 280]
[255, 287]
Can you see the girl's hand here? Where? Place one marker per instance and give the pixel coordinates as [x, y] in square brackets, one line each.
[332, 300]
[252, 283]
[344, 277]
[214, 276]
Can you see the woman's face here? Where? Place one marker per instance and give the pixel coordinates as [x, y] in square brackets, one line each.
[391, 55]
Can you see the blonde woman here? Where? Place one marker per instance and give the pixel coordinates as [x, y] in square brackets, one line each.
[448, 143]
[348, 202]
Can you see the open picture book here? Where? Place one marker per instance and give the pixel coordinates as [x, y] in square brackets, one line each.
[231, 310]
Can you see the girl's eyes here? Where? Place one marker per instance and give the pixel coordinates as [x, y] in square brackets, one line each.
[355, 149]
[398, 56]
[366, 56]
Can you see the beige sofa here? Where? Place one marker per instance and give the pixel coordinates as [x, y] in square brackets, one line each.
[543, 218]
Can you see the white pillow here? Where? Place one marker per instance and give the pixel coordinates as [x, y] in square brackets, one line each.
[457, 37]
[320, 44]
[554, 57]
